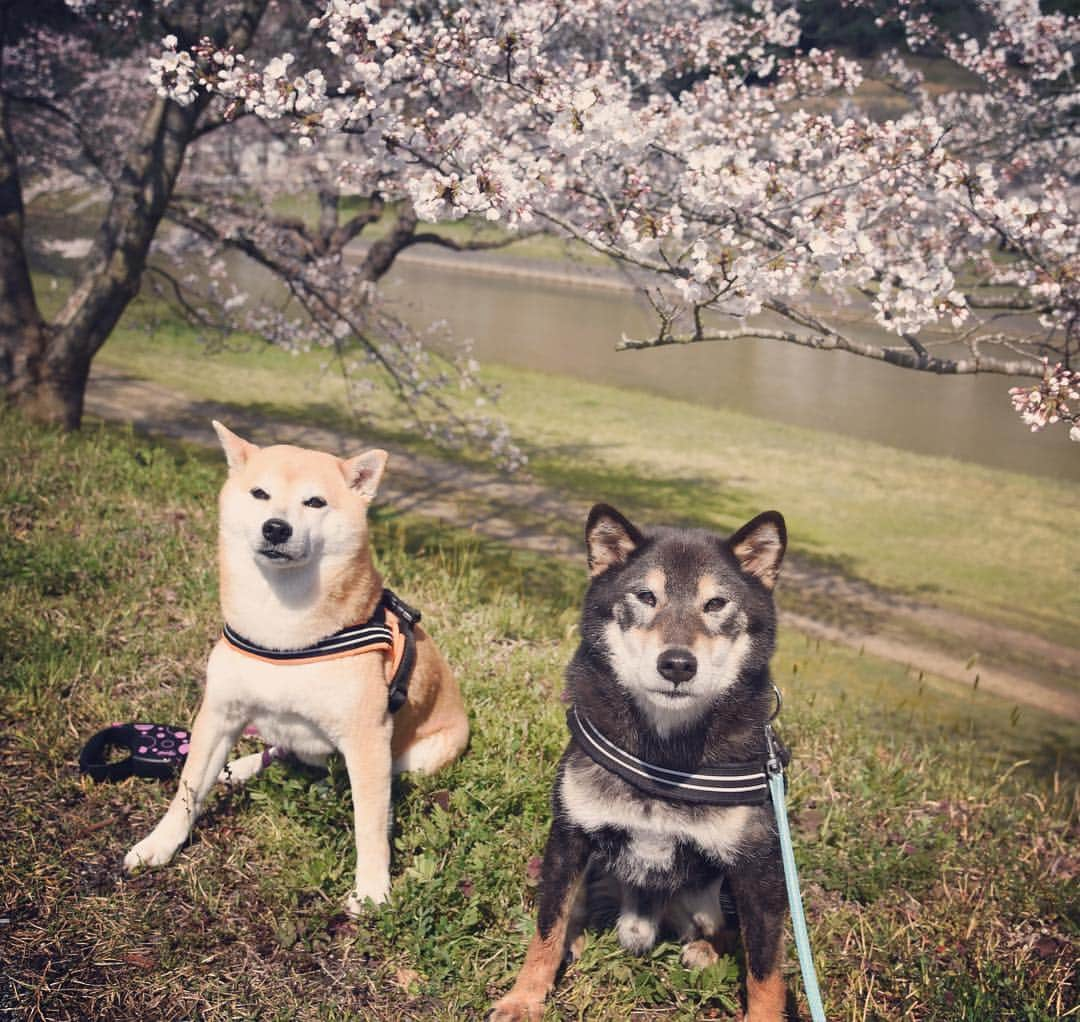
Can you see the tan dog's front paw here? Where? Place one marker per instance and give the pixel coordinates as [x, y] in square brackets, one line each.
[517, 1009]
[151, 851]
[362, 900]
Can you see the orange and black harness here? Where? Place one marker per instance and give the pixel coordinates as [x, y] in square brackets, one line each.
[159, 750]
[389, 630]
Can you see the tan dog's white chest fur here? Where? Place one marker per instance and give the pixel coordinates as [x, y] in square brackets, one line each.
[307, 709]
[296, 568]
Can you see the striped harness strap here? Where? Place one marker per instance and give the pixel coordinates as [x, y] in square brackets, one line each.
[725, 784]
[389, 631]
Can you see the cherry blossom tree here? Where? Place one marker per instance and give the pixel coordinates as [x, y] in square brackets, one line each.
[737, 175]
[734, 172]
[56, 65]
[191, 183]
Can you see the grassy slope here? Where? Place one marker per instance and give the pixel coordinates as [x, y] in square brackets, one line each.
[983, 541]
[938, 875]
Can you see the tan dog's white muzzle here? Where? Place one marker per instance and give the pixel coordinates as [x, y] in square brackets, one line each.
[276, 531]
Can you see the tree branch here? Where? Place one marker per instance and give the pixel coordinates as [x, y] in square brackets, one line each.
[194, 314]
[71, 122]
[208, 125]
[353, 227]
[382, 253]
[315, 303]
[834, 341]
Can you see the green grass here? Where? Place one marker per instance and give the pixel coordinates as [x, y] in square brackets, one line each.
[982, 541]
[933, 824]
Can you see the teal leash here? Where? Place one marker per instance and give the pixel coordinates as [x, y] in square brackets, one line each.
[775, 770]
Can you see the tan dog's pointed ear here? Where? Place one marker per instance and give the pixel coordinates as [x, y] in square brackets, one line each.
[759, 547]
[237, 449]
[364, 472]
[609, 538]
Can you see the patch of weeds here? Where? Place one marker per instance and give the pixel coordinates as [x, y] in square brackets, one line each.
[988, 992]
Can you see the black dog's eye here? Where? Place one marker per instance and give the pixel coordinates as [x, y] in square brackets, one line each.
[260, 494]
[715, 604]
[646, 596]
[314, 502]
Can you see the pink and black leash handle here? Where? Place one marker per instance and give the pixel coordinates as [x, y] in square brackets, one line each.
[155, 750]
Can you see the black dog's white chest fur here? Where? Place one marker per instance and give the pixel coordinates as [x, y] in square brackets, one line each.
[651, 843]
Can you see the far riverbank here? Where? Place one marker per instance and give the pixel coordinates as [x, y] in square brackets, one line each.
[566, 316]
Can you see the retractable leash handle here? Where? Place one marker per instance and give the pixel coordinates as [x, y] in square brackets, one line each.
[156, 750]
[775, 770]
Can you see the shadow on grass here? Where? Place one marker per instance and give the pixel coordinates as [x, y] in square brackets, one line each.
[573, 470]
[397, 529]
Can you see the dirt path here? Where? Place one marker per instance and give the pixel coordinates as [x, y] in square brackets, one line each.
[1016, 666]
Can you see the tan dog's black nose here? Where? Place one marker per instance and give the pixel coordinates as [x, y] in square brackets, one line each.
[276, 530]
[677, 665]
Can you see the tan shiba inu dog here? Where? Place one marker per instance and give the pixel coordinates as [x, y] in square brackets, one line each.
[296, 569]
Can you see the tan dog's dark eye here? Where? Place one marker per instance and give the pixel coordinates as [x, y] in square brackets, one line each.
[260, 494]
[715, 604]
[314, 502]
[647, 597]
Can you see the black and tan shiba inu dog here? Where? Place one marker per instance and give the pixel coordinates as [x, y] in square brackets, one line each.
[661, 794]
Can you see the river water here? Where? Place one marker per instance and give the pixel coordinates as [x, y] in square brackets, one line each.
[538, 322]
[528, 316]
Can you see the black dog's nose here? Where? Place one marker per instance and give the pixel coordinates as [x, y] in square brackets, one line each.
[276, 530]
[677, 665]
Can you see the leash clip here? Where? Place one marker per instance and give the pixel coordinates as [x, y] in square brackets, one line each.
[774, 764]
[779, 704]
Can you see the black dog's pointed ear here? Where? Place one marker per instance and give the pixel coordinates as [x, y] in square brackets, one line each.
[759, 546]
[609, 538]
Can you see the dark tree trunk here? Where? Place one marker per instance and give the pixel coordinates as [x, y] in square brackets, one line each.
[44, 367]
[23, 332]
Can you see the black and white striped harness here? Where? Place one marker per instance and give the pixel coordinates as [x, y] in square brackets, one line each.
[724, 784]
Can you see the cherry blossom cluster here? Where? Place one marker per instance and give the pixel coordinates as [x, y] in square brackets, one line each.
[1047, 402]
[267, 92]
[173, 74]
[736, 173]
